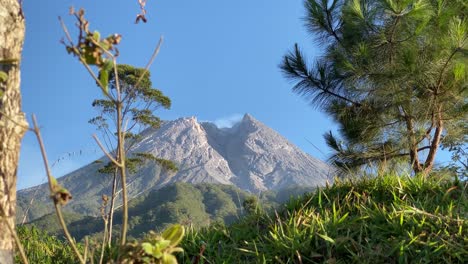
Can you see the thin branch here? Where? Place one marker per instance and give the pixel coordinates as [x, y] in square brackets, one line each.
[57, 206]
[105, 152]
[311, 79]
[330, 24]
[65, 30]
[117, 82]
[86, 248]
[155, 54]
[423, 148]
[101, 258]
[90, 71]
[439, 82]
[29, 207]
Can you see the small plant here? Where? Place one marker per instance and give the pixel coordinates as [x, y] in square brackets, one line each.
[155, 248]
[129, 99]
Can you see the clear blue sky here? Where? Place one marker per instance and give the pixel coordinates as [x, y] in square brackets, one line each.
[219, 60]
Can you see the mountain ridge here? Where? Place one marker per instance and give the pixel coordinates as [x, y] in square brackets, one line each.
[249, 155]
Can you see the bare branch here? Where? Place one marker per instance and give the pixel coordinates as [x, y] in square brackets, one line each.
[155, 54]
[50, 179]
[105, 152]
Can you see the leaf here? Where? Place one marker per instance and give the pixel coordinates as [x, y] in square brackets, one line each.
[169, 259]
[108, 65]
[174, 233]
[3, 76]
[104, 80]
[177, 249]
[96, 36]
[327, 238]
[163, 244]
[356, 8]
[53, 183]
[147, 247]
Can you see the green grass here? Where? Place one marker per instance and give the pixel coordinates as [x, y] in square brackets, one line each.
[373, 220]
[386, 219]
[40, 247]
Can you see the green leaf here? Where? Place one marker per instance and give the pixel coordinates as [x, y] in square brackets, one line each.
[177, 249]
[3, 76]
[355, 6]
[104, 79]
[169, 259]
[53, 182]
[96, 36]
[105, 44]
[174, 233]
[327, 238]
[163, 244]
[147, 247]
[108, 65]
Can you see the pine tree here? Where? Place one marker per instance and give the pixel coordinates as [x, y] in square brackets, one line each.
[393, 76]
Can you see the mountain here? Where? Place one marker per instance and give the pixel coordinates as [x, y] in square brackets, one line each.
[249, 155]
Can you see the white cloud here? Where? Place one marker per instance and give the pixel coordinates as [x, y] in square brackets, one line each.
[228, 121]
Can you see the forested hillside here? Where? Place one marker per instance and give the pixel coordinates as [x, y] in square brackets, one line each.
[192, 205]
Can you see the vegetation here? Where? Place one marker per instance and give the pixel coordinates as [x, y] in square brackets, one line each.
[139, 101]
[40, 247]
[384, 219]
[155, 248]
[393, 76]
[194, 206]
[388, 219]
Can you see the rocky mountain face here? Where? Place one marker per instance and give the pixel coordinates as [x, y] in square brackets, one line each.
[249, 155]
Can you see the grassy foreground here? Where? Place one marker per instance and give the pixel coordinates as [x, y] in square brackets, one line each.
[376, 220]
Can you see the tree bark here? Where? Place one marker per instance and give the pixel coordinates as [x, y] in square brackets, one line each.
[430, 160]
[413, 146]
[12, 121]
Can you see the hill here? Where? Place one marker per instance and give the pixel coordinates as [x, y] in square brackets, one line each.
[374, 220]
[192, 205]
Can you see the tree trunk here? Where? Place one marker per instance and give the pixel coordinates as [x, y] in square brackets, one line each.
[413, 146]
[123, 175]
[430, 160]
[12, 120]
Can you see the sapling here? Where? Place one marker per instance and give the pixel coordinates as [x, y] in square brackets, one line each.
[128, 101]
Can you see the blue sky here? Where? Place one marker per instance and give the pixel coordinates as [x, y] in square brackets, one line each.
[219, 60]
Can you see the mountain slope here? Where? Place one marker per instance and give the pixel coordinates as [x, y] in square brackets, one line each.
[249, 155]
[193, 205]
